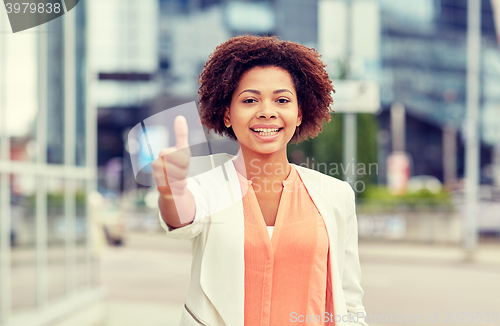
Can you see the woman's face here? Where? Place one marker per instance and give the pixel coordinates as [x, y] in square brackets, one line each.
[264, 110]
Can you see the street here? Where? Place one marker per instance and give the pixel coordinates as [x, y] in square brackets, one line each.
[429, 285]
[148, 280]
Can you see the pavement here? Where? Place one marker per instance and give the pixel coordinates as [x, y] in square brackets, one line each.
[148, 278]
[430, 285]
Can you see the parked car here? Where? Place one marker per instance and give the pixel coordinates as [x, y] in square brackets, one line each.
[114, 225]
[425, 182]
[109, 215]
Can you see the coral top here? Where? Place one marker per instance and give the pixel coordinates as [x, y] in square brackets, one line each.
[285, 275]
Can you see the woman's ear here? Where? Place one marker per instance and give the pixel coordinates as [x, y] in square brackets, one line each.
[227, 119]
[299, 117]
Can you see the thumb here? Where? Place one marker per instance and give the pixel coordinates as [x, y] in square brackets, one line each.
[181, 132]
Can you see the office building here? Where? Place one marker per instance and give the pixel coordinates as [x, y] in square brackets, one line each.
[48, 256]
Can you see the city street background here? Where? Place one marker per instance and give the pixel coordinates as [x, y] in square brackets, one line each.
[147, 281]
[416, 132]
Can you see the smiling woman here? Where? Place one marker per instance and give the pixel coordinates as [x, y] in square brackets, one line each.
[289, 246]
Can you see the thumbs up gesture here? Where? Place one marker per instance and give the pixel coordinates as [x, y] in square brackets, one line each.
[171, 167]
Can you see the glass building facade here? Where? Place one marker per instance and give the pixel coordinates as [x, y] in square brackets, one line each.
[424, 57]
[47, 172]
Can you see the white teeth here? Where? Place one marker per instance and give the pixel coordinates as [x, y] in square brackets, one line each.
[266, 132]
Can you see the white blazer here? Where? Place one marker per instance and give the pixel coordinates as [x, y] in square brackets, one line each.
[216, 294]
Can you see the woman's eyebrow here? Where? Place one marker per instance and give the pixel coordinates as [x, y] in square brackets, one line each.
[282, 90]
[258, 92]
[249, 90]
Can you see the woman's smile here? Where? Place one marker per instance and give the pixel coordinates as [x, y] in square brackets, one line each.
[266, 132]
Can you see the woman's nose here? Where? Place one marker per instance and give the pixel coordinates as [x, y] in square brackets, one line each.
[266, 110]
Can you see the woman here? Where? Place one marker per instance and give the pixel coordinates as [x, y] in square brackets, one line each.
[304, 269]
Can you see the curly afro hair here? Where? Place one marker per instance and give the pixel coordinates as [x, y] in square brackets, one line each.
[231, 59]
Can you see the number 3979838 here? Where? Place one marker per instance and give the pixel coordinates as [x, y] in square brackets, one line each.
[31, 7]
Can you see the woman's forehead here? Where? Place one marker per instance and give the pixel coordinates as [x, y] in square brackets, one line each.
[269, 75]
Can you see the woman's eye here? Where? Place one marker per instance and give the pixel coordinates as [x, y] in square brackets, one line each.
[250, 100]
[283, 100]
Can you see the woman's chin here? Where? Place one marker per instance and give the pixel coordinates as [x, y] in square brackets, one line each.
[267, 150]
[260, 148]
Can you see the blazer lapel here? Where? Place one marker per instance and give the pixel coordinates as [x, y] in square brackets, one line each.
[223, 264]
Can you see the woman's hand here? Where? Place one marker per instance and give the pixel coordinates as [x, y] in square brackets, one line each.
[176, 202]
[171, 167]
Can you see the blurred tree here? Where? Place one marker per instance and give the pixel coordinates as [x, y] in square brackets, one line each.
[324, 153]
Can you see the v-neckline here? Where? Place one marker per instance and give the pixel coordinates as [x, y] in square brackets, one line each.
[279, 220]
[271, 241]
[260, 207]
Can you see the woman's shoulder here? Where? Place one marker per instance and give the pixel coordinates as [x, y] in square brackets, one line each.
[324, 182]
[317, 174]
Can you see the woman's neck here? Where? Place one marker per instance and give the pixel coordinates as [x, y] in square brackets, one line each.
[261, 168]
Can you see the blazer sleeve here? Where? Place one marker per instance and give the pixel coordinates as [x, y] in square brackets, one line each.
[201, 217]
[351, 281]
